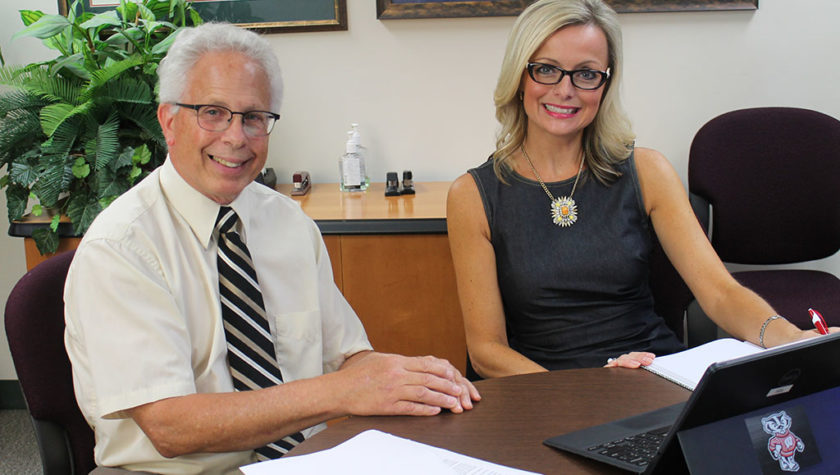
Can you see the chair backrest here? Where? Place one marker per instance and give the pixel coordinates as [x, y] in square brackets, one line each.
[671, 295]
[772, 177]
[35, 329]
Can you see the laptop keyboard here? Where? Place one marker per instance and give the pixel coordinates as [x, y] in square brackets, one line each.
[636, 449]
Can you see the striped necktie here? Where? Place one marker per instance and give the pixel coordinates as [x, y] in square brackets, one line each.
[251, 356]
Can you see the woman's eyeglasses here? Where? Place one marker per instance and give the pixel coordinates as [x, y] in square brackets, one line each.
[586, 79]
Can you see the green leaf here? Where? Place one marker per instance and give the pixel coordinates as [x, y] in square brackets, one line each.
[135, 172]
[53, 115]
[74, 64]
[152, 26]
[21, 133]
[17, 198]
[74, 9]
[105, 202]
[80, 168]
[150, 69]
[37, 210]
[54, 222]
[195, 17]
[102, 76]
[29, 17]
[126, 36]
[142, 155]
[110, 184]
[167, 24]
[53, 88]
[46, 27]
[108, 18]
[107, 141]
[50, 182]
[145, 117]
[65, 137]
[124, 89]
[162, 47]
[46, 240]
[125, 159]
[13, 100]
[82, 209]
[23, 173]
[127, 10]
[145, 13]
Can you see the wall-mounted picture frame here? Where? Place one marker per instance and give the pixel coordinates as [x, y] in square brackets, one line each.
[263, 16]
[400, 9]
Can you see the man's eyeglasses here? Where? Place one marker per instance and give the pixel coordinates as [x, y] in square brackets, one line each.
[218, 118]
[587, 79]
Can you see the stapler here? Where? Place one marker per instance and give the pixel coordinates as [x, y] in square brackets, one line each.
[407, 183]
[392, 184]
[300, 183]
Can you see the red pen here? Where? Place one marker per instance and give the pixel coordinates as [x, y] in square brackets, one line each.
[819, 321]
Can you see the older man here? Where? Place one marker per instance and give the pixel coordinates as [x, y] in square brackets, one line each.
[214, 331]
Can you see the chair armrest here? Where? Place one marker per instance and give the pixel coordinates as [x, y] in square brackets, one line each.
[699, 328]
[702, 209]
[54, 447]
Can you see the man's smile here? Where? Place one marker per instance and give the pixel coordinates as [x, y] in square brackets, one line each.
[226, 163]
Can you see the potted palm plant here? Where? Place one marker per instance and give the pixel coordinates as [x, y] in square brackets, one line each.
[80, 129]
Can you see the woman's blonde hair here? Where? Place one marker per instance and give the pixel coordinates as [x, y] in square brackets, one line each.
[608, 140]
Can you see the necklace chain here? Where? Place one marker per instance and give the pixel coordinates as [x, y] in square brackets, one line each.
[539, 179]
[563, 209]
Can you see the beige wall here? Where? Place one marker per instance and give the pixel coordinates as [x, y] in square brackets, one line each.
[422, 89]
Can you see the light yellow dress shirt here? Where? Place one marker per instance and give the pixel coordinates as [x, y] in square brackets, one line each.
[144, 320]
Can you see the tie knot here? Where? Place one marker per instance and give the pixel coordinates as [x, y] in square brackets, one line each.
[226, 219]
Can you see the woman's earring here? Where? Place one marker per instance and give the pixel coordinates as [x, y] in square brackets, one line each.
[521, 96]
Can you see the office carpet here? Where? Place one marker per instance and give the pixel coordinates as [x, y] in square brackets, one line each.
[18, 446]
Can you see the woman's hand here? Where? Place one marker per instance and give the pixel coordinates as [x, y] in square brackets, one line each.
[635, 359]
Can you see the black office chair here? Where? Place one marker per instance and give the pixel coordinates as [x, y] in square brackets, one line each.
[771, 177]
[35, 329]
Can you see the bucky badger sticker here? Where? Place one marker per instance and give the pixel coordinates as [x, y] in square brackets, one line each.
[783, 440]
[783, 444]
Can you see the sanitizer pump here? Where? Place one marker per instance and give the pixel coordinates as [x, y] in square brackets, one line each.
[351, 165]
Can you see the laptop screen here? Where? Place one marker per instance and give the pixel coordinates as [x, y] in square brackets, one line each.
[798, 436]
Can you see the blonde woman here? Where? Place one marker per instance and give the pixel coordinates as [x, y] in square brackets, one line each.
[551, 237]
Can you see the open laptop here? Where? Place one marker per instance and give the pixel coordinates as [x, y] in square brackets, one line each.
[789, 385]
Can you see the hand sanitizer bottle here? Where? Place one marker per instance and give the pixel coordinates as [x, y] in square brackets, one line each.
[352, 163]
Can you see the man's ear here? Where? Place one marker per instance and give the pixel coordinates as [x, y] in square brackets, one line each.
[166, 118]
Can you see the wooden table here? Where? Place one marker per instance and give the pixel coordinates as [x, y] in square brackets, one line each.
[372, 211]
[517, 413]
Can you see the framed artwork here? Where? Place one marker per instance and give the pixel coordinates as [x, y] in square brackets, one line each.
[263, 16]
[394, 9]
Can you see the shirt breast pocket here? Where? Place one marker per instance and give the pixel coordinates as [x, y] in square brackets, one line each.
[298, 343]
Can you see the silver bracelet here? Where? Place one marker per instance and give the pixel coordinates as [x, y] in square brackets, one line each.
[764, 327]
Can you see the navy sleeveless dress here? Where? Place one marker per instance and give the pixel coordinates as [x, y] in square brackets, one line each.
[574, 296]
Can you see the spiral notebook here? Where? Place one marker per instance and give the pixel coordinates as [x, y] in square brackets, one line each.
[687, 367]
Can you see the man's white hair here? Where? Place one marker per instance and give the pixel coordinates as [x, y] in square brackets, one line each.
[192, 43]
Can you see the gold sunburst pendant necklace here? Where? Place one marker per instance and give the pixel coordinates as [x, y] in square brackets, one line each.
[564, 212]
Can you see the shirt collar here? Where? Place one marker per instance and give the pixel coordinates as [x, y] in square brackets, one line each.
[197, 210]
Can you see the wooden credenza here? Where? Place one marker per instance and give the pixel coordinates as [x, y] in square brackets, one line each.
[391, 260]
